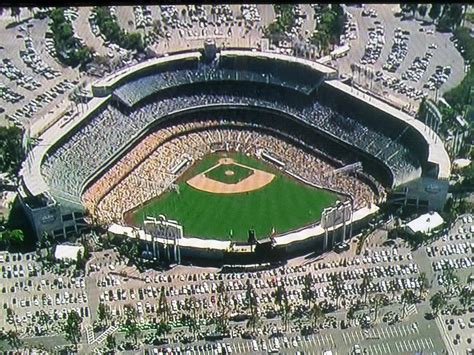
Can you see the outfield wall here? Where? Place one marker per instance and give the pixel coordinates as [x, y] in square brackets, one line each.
[281, 247]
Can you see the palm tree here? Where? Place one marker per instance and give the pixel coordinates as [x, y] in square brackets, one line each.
[317, 314]
[72, 328]
[223, 305]
[250, 296]
[44, 319]
[377, 301]
[254, 321]
[163, 306]
[132, 330]
[364, 286]
[279, 295]
[452, 280]
[193, 316]
[11, 318]
[307, 292]
[350, 315]
[424, 284]
[337, 288]
[103, 314]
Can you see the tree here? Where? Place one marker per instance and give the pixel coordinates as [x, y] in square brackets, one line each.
[424, 284]
[377, 301]
[254, 319]
[364, 286]
[435, 11]
[250, 296]
[72, 328]
[223, 307]
[193, 316]
[451, 280]
[103, 314]
[162, 329]
[11, 150]
[413, 7]
[337, 287]
[12, 338]
[110, 343]
[9, 237]
[132, 331]
[163, 306]
[44, 319]
[308, 293]
[281, 299]
[455, 14]
[437, 302]
[317, 314]
[11, 317]
[466, 296]
[350, 315]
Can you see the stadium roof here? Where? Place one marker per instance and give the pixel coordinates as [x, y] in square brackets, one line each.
[437, 154]
[316, 66]
[425, 223]
[31, 168]
[114, 79]
[67, 251]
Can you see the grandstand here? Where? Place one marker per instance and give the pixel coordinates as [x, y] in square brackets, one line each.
[140, 113]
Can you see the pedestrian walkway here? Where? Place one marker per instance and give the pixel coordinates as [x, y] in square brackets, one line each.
[89, 334]
[101, 338]
[411, 309]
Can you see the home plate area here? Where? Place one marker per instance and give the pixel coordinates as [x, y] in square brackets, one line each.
[229, 177]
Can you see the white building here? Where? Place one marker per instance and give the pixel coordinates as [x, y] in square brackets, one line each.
[425, 223]
[67, 252]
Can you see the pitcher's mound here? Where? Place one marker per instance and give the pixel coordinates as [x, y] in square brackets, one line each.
[229, 172]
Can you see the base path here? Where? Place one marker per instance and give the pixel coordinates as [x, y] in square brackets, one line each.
[253, 182]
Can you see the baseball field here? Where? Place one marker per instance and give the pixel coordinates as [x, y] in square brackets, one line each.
[225, 194]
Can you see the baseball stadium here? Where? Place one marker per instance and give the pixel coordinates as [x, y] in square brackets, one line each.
[220, 154]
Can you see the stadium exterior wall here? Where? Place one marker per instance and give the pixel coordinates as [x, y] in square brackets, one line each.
[280, 247]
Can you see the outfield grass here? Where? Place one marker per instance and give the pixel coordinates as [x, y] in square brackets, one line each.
[284, 204]
[219, 173]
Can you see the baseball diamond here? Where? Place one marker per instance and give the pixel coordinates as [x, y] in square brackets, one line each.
[266, 200]
[229, 177]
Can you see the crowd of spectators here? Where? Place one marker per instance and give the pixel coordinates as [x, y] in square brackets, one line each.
[135, 91]
[110, 130]
[145, 172]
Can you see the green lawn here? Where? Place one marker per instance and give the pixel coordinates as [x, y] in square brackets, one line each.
[219, 173]
[284, 204]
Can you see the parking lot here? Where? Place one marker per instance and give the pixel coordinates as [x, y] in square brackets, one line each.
[31, 80]
[402, 61]
[385, 34]
[37, 297]
[455, 250]
[28, 290]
